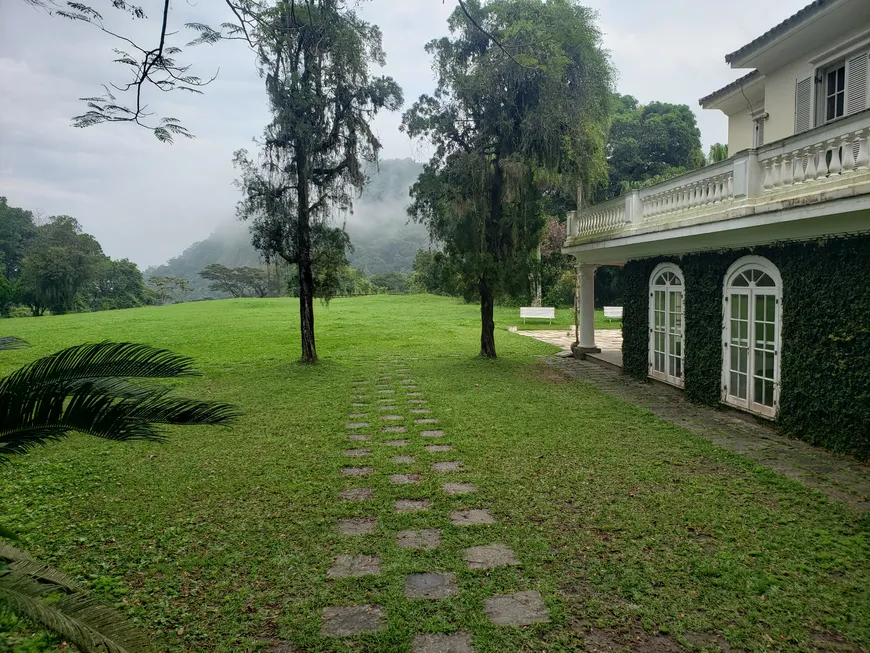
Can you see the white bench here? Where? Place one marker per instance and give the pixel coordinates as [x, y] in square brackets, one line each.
[613, 312]
[543, 312]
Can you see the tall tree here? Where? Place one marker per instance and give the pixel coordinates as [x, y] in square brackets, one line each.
[59, 261]
[522, 105]
[718, 152]
[16, 228]
[119, 285]
[315, 58]
[648, 142]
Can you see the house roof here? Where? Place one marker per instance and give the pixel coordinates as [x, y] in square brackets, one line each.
[725, 90]
[804, 14]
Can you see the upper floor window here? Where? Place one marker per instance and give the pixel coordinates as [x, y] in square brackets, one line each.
[834, 81]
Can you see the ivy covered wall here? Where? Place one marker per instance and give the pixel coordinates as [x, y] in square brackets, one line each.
[825, 348]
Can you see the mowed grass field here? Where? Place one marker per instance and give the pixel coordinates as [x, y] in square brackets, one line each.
[638, 535]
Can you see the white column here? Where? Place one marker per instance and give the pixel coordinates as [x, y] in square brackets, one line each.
[586, 275]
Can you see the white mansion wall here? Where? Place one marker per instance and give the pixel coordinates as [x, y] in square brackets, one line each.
[739, 131]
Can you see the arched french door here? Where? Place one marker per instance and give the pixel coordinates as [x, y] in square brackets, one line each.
[751, 335]
[666, 324]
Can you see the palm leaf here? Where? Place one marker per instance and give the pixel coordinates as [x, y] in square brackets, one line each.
[101, 360]
[11, 342]
[77, 617]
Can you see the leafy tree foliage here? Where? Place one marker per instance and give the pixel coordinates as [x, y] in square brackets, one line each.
[522, 104]
[315, 59]
[168, 289]
[16, 228]
[118, 285]
[59, 261]
[238, 282]
[718, 152]
[435, 273]
[653, 141]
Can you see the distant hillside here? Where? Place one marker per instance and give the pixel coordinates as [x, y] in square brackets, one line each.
[383, 240]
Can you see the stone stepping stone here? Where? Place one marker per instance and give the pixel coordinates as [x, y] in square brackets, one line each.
[416, 411]
[396, 443]
[393, 429]
[358, 453]
[437, 448]
[359, 404]
[359, 437]
[388, 408]
[356, 471]
[518, 609]
[409, 387]
[432, 434]
[392, 418]
[386, 392]
[415, 394]
[385, 378]
[357, 494]
[353, 620]
[351, 566]
[360, 396]
[417, 401]
[356, 425]
[459, 488]
[406, 381]
[443, 643]
[471, 517]
[486, 557]
[405, 479]
[361, 526]
[426, 539]
[452, 466]
[412, 505]
[430, 586]
[426, 420]
[357, 415]
[404, 460]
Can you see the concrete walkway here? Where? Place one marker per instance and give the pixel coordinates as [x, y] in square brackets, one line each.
[608, 340]
[837, 477]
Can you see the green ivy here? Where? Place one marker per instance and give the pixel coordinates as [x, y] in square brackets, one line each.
[825, 352]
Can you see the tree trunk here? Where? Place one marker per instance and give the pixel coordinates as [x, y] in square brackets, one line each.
[306, 273]
[487, 324]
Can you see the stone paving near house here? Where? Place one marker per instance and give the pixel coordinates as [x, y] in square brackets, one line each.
[356, 564]
[842, 478]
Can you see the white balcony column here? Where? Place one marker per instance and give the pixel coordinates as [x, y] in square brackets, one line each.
[586, 281]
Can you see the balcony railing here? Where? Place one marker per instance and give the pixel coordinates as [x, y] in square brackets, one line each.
[800, 168]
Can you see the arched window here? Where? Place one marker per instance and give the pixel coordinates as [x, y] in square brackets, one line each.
[666, 342]
[752, 310]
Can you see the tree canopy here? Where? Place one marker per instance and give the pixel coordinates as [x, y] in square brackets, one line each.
[650, 141]
[315, 59]
[522, 105]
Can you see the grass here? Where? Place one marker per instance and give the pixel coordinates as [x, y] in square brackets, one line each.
[628, 526]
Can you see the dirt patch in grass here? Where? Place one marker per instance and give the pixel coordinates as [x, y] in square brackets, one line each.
[829, 642]
[631, 639]
[545, 373]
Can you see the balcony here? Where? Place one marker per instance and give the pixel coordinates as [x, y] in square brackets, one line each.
[813, 184]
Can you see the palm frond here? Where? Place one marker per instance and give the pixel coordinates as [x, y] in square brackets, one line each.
[12, 342]
[77, 617]
[101, 360]
[38, 418]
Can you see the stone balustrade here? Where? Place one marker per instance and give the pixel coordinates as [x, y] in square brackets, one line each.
[810, 163]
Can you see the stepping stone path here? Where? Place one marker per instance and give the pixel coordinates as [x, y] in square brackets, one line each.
[426, 539]
[364, 526]
[519, 609]
[346, 566]
[430, 586]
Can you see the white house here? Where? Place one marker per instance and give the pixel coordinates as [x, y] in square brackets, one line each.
[776, 236]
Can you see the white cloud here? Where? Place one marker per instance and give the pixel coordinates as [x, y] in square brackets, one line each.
[148, 201]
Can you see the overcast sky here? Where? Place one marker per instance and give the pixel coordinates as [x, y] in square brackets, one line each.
[148, 201]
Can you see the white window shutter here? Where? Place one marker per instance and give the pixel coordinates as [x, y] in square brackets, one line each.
[758, 136]
[803, 102]
[856, 83]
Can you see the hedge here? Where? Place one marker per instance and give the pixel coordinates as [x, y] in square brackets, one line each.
[825, 348]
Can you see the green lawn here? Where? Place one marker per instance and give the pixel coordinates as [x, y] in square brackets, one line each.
[628, 526]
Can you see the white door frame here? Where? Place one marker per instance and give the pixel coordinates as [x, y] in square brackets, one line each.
[763, 264]
[678, 381]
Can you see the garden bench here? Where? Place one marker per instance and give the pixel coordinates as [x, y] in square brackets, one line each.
[613, 312]
[543, 312]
